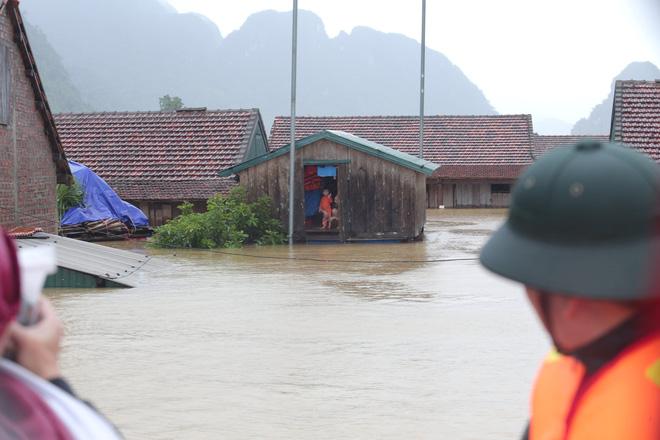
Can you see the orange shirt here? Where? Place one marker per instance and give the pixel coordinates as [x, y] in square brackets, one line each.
[326, 204]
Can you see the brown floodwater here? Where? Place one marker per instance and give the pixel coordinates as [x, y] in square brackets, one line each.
[211, 345]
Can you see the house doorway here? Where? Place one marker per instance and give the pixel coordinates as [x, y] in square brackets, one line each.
[321, 202]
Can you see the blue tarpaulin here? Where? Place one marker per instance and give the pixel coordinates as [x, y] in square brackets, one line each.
[327, 171]
[101, 202]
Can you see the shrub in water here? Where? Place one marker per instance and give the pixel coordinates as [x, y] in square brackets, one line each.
[229, 221]
[69, 196]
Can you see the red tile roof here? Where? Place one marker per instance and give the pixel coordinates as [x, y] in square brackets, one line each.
[497, 147]
[636, 116]
[545, 143]
[160, 155]
[23, 232]
[172, 189]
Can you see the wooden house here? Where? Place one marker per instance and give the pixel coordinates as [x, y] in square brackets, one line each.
[636, 116]
[480, 157]
[158, 160]
[378, 193]
[32, 160]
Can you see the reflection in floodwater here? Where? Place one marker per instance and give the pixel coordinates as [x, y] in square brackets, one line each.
[376, 290]
[370, 342]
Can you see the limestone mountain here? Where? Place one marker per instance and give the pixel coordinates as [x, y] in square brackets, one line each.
[63, 96]
[600, 118]
[125, 54]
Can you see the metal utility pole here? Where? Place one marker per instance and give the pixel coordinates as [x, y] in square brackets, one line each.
[421, 83]
[292, 153]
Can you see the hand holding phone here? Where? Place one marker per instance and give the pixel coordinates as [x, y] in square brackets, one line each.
[37, 347]
[35, 265]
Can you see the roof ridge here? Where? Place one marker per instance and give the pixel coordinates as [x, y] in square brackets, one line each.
[640, 81]
[570, 135]
[406, 116]
[149, 112]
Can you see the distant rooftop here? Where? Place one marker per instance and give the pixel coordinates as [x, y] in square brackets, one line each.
[473, 146]
[636, 116]
[348, 140]
[160, 155]
[545, 143]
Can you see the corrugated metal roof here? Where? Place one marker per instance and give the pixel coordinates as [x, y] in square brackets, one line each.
[101, 261]
[348, 140]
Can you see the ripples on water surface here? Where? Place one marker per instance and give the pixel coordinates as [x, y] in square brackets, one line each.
[218, 346]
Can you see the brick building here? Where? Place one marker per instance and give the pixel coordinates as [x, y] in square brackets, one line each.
[158, 160]
[636, 116]
[479, 156]
[32, 161]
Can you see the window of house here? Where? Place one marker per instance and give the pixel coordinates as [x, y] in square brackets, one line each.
[5, 82]
[500, 188]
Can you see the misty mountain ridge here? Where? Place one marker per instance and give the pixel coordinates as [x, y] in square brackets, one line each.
[125, 54]
[62, 93]
[600, 119]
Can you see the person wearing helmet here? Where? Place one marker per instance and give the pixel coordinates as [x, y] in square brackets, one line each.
[583, 236]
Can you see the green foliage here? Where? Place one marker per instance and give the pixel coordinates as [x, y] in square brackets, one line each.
[69, 196]
[186, 208]
[229, 222]
[170, 103]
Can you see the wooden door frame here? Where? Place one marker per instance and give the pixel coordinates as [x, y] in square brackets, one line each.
[342, 188]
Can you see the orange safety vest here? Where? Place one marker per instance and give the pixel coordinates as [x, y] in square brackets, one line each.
[620, 401]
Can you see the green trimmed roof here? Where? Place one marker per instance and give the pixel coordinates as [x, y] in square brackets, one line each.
[348, 140]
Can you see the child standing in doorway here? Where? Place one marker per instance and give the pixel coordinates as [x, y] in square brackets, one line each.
[325, 208]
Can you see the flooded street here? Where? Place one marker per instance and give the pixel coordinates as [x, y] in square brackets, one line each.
[211, 345]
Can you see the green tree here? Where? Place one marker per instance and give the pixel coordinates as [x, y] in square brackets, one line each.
[69, 196]
[170, 103]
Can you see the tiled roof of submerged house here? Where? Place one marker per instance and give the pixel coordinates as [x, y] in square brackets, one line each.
[545, 143]
[636, 116]
[496, 147]
[161, 155]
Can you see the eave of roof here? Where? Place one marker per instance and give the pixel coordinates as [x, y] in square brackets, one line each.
[348, 140]
[21, 39]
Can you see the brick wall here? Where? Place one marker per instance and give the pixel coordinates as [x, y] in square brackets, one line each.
[27, 169]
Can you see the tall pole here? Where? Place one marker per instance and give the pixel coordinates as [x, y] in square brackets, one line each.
[292, 153]
[421, 83]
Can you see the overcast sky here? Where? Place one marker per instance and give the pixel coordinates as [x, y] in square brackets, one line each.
[552, 58]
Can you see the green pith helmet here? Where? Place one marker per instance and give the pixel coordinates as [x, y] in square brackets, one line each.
[585, 221]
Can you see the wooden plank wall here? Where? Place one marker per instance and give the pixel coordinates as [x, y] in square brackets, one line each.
[434, 194]
[386, 200]
[420, 203]
[160, 213]
[378, 199]
[471, 195]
